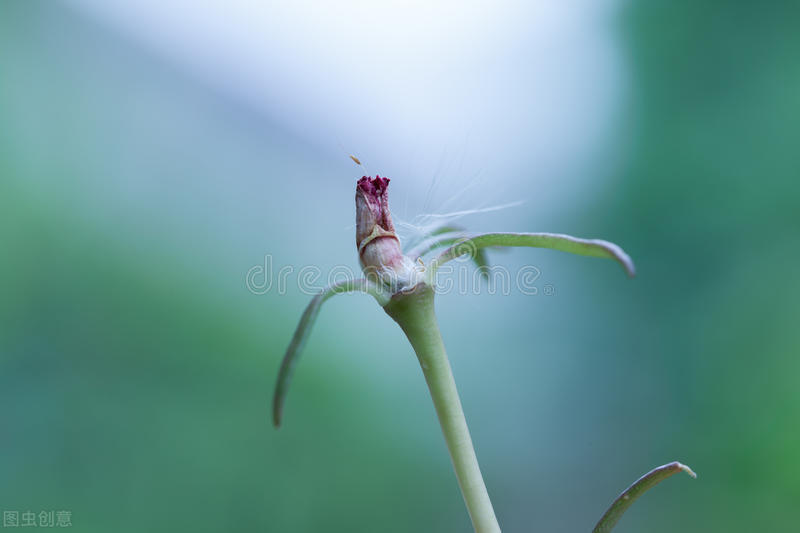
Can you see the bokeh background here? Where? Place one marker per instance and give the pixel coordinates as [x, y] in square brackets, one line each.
[152, 153]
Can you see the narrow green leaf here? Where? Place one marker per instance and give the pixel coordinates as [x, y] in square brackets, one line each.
[303, 331]
[482, 262]
[555, 241]
[639, 487]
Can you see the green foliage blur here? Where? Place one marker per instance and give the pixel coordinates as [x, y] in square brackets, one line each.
[136, 369]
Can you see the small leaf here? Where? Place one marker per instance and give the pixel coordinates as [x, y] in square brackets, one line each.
[555, 241]
[303, 331]
[639, 487]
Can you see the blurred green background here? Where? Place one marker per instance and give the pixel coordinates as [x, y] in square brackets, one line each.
[136, 369]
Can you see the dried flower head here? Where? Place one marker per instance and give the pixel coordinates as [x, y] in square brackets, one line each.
[379, 248]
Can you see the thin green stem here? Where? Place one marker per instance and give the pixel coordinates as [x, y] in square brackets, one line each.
[414, 312]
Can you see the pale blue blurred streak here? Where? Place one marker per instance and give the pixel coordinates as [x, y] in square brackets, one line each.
[419, 91]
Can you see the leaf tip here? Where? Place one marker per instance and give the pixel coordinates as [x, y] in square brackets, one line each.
[626, 262]
[277, 413]
[686, 469]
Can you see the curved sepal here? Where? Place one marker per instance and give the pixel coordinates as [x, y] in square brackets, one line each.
[303, 331]
[639, 487]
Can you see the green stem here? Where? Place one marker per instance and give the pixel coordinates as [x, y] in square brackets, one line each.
[414, 312]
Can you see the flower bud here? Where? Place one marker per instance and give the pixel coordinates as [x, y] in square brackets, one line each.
[378, 246]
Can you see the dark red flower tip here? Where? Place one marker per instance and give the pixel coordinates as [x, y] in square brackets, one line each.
[373, 187]
[372, 207]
